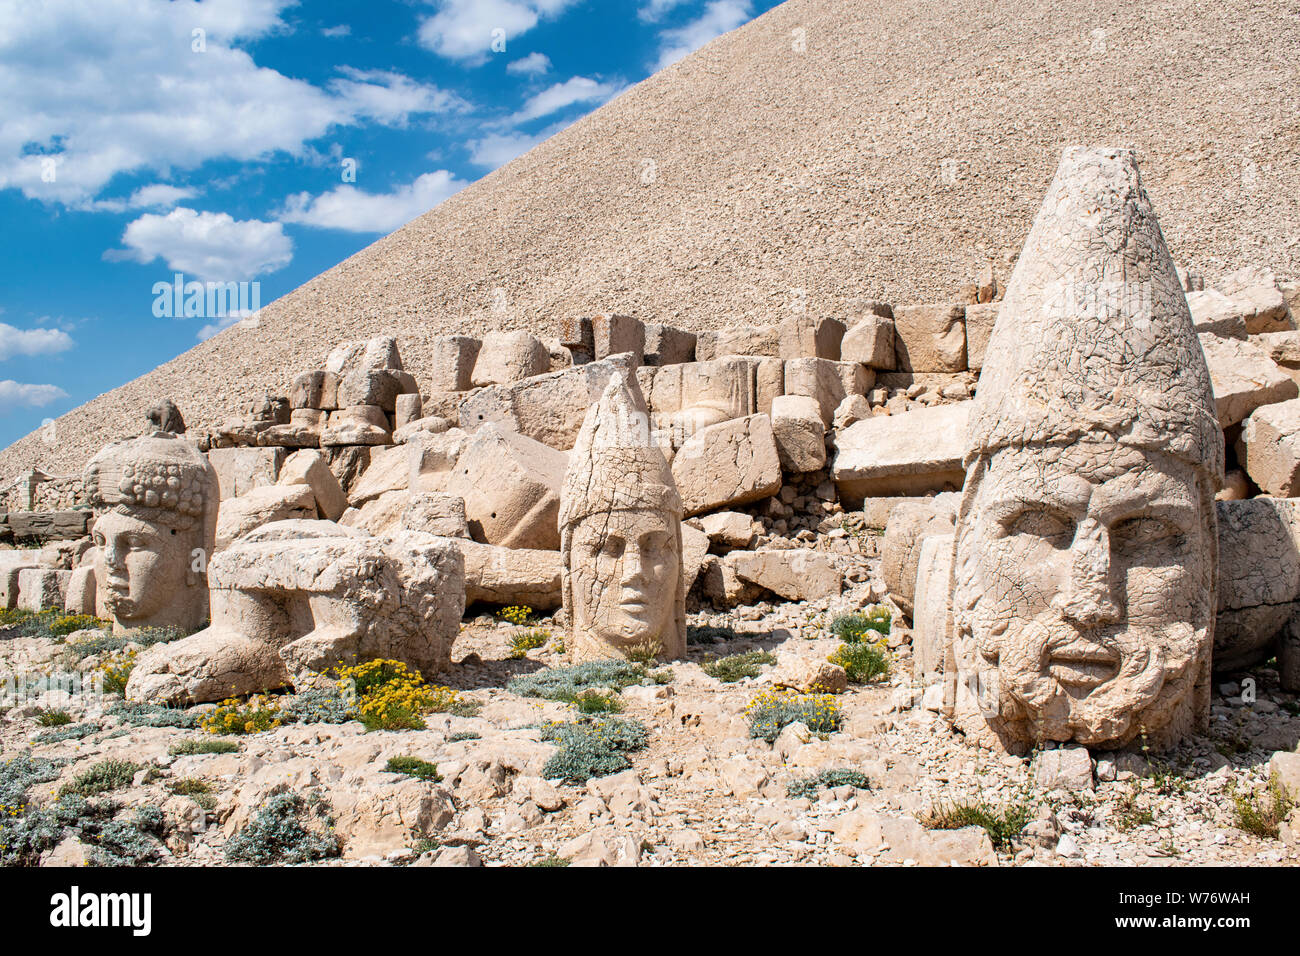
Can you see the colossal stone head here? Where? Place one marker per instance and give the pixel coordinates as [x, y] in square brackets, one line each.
[156, 499]
[1085, 552]
[621, 536]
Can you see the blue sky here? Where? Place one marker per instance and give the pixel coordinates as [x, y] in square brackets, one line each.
[262, 141]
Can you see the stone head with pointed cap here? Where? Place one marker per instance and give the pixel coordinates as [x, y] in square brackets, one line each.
[1083, 588]
[621, 536]
[155, 498]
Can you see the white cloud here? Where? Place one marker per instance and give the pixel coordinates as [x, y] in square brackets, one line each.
[719, 17]
[579, 89]
[208, 246]
[462, 29]
[654, 10]
[350, 209]
[497, 149]
[15, 341]
[225, 322]
[14, 393]
[342, 30]
[92, 90]
[534, 64]
[156, 196]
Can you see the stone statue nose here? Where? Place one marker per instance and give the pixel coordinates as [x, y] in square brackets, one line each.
[1089, 596]
[633, 563]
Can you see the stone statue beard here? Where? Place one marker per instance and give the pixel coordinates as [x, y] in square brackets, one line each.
[1063, 683]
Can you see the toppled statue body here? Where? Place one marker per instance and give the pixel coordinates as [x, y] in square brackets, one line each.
[293, 599]
[1084, 565]
[621, 537]
[156, 501]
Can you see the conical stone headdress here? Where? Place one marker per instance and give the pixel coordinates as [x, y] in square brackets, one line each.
[615, 466]
[159, 475]
[1094, 335]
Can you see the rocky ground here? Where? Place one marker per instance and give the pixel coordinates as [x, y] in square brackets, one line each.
[703, 791]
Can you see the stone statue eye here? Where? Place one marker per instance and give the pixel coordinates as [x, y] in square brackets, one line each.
[1142, 530]
[1055, 528]
[613, 547]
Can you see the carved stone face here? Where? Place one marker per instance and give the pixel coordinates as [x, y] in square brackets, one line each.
[1083, 591]
[142, 569]
[624, 572]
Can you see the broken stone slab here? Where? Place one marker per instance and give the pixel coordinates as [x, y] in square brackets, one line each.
[309, 468]
[432, 457]
[1065, 768]
[728, 529]
[509, 357]
[49, 525]
[800, 433]
[1244, 378]
[407, 407]
[910, 453]
[1283, 348]
[909, 524]
[380, 515]
[1269, 448]
[796, 574]
[930, 614]
[1249, 296]
[666, 345]
[980, 320]
[728, 464]
[548, 408]
[347, 462]
[906, 839]
[870, 342]
[434, 513]
[511, 487]
[1216, 314]
[294, 598]
[260, 506]
[389, 470]
[240, 470]
[695, 548]
[377, 388]
[431, 424]
[80, 594]
[451, 366]
[511, 576]
[317, 389]
[719, 584]
[930, 338]
[808, 675]
[613, 334]
[371, 355]
[684, 398]
[1258, 579]
[852, 410]
[739, 340]
[828, 382]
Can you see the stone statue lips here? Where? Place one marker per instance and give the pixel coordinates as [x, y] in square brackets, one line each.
[1083, 664]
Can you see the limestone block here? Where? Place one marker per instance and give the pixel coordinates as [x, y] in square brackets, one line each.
[731, 463]
[930, 338]
[1286, 765]
[809, 675]
[910, 453]
[379, 388]
[239, 470]
[980, 320]
[1065, 768]
[41, 588]
[347, 462]
[1258, 579]
[432, 457]
[870, 342]
[801, 336]
[1283, 348]
[665, 345]
[695, 548]
[1216, 314]
[317, 389]
[389, 470]
[548, 408]
[308, 418]
[796, 574]
[309, 468]
[377, 818]
[430, 424]
[295, 598]
[728, 529]
[380, 515]
[800, 433]
[509, 357]
[407, 408]
[910, 523]
[371, 355]
[719, 583]
[930, 615]
[437, 514]
[79, 597]
[1252, 293]
[452, 364]
[511, 576]
[577, 337]
[1244, 378]
[261, 506]
[49, 525]
[1269, 448]
[738, 340]
[511, 487]
[357, 425]
[684, 398]
[827, 381]
[617, 334]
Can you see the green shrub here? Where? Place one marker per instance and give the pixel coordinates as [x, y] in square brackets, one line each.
[53, 718]
[708, 634]
[102, 777]
[107, 642]
[597, 700]
[811, 787]
[592, 747]
[770, 711]
[869, 625]
[863, 663]
[522, 643]
[566, 683]
[738, 666]
[19, 773]
[1262, 813]
[288, 829]
[414, 767]
[327, 705]
[1002, 824]
[464, 735]
[190, 748]
[67, 732]
[189, 786]
[551, 860]
[154, 715]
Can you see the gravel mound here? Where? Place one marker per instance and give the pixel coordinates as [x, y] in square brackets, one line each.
[905, 149]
